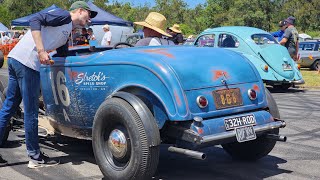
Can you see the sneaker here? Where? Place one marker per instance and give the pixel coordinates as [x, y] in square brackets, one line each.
[42, 161]
[2, 161]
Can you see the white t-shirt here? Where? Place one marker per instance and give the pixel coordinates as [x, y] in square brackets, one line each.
[5, 40]
[55, 27]
[107, 37]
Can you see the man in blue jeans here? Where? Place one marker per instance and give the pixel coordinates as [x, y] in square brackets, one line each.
[49, 31]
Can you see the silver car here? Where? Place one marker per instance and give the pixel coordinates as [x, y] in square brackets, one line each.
[309, 54]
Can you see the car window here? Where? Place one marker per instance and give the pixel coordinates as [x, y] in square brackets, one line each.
[263, 39]
[205, 40]
[228, 41]
[308, 47]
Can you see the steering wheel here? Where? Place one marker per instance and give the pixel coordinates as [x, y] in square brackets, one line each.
[122, 44]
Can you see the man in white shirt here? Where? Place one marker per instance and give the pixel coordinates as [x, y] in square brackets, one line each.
[4, 39]
[106, 40]
[24, 71]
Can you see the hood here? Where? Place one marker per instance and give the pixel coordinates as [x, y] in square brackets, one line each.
[206, 67]
[277, 56]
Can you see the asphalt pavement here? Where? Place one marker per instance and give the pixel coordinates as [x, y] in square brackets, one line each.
[298, 158]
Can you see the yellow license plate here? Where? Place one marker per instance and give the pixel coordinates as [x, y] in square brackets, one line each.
[227, 98]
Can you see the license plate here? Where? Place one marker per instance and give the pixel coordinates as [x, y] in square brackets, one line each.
[245, 133]
[227, 98]
[286, 67]
[239, 121]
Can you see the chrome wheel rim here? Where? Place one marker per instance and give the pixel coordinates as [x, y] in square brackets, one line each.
[117, 143]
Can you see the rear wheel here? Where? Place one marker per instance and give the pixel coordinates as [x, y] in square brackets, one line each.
[120, 143]
[258, 148]
[316, 65]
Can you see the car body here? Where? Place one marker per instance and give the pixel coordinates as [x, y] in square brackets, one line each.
[130, 100]
[272, 60]
[309, 54]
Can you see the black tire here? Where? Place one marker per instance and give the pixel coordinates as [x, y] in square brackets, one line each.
[8, 129]
[316, 65]
[1, 59]
[258, 148]
[141, 159]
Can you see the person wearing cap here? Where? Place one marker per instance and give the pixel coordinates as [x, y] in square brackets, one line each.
[153, 29]
[49, 30]
[106, 40]
[291, 38]
[177, 37]
[279, 34]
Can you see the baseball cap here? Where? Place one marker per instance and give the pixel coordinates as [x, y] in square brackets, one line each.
[282, 23]
[83, 5]
[291, 20]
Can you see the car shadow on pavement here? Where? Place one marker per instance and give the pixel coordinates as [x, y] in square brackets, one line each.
[290, 90]
[76, 151]
[218, 165]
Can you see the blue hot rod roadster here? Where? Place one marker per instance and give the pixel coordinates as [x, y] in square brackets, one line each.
[272, 60]
[130, 100]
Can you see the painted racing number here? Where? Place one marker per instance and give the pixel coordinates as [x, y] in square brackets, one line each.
[60, 89]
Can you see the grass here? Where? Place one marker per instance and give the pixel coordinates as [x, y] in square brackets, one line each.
[311, 78]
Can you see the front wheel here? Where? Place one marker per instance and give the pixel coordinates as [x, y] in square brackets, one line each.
[120, 143]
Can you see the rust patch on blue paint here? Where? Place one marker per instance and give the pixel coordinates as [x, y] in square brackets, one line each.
[163, 52]
[219, 73]
[176, 96]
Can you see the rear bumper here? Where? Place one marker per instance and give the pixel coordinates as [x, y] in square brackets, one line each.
[301, 81]
[231, 134]
[213, 131]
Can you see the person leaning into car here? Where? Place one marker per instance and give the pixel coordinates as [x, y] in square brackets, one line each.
[280, 33]
[24, 64]
[291, 38]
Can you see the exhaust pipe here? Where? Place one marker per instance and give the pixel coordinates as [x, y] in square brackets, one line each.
[277, 137]
[188, 152]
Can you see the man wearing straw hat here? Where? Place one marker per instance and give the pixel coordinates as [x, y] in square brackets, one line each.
[153, 31]
[177, 37]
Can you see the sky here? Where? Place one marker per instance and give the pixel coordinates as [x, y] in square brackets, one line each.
[191, 3]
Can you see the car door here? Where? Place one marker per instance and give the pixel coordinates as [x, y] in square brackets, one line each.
[58, 92]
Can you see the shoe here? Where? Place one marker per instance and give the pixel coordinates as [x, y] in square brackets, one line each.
[42, 161]
[2, 161]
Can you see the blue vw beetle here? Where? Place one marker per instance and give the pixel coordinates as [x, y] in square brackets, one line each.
[130, 100]
[272, 60]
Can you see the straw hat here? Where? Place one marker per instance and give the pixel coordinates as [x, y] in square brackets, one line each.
[155, 21]
[175, 28]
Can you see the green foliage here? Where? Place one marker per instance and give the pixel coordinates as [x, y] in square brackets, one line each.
[264, 14]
